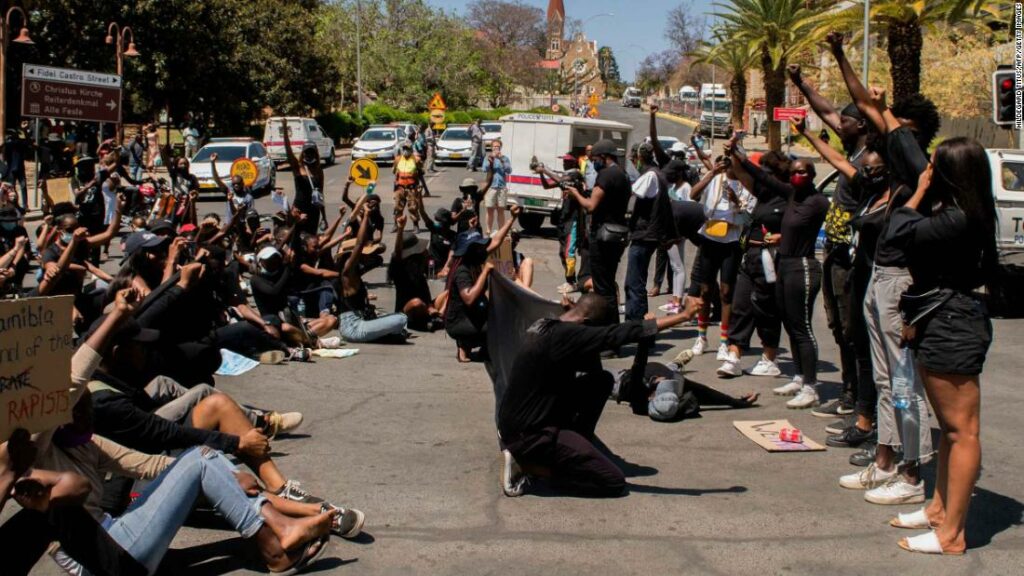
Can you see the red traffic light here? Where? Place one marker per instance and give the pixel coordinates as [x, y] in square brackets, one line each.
[1007, 84]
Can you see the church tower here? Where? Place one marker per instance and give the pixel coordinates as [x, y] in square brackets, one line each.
[556, 30]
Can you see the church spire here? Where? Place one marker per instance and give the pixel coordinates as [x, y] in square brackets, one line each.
[556, 9]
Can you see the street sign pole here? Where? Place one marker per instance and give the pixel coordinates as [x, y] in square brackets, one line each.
[35, 184]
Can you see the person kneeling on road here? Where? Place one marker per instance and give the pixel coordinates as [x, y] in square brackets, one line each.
[557, 391]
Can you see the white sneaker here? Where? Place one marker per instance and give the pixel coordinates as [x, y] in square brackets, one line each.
[671, 308]
[723, 352]
[730, 368]
[513, 481]
[766, 367]
[330, 343]
[866, 479]
[699, 346]
[896, 491]
[795, 385]
[807, 398]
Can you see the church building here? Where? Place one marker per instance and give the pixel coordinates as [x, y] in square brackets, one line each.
[575, 58]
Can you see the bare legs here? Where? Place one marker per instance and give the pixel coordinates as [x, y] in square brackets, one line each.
[219, 412]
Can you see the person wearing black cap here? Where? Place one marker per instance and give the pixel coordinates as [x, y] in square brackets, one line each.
[609, 233]
[466, 314]
[309, 182]
[853, 130]
[408, 270]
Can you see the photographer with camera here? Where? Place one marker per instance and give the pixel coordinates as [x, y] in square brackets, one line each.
[571, 233]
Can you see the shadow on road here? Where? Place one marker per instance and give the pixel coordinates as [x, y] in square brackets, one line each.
[991, 514]
[644, 489]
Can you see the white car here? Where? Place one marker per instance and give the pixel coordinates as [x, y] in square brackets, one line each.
[300, 131]
[378, 143]
[228, 150]
[454, 145]
[492, 132]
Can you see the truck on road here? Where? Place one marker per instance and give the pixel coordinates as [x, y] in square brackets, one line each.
[715, 111]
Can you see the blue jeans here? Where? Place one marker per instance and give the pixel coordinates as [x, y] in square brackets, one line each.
[355, 329]
[638, 261]
[146, 530]
[137, 172]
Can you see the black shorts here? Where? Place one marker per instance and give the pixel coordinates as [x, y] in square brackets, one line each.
[955, 338]
[719, 257]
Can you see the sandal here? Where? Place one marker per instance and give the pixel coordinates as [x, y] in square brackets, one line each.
[916, 520]
[308, 556]
[927, 543]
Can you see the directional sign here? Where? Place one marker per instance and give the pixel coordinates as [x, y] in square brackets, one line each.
[555, 108]
[788, 114]
[364, 171]
[245, 169]
[70, 94]
[437, 119]
[437, 103]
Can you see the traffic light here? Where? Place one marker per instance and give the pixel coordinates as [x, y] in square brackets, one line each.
[1004, 98]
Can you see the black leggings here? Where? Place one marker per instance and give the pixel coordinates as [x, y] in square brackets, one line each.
[754, 305]
[797, 286]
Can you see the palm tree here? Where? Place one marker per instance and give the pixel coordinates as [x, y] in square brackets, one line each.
[735, 58]
[775, 31]
[903, 23]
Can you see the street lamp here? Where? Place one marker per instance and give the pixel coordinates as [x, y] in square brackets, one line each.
[867, 39]
[4, 41]
[116, 35]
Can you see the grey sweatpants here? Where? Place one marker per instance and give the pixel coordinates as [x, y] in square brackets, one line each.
[885, 328]
[178, 401]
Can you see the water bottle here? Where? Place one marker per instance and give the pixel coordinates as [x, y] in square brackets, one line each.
[301, 308]
[768, 264]
[903, 380]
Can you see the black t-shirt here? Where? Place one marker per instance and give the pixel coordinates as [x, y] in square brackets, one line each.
[552, 353]
[441, 238]
[305, 186]
[270, 291]
[409, 276]
[844, 196]
[689, 217]
[904, 157]
[612, 208]
[767, 215]
[802, 218]
[70, 282]
[889, 251]
[465, 279]
[942, 249]
[8, 237]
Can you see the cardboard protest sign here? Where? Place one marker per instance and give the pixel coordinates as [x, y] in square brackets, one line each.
[36, 345]
[502, 258]
[765, 433]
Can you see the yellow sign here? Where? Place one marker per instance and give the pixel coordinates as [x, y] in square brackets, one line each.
[437, 119]
[364, 171]
[594, 100]
[437, 103]
[245, 169]
[593, 112]
[36, 344]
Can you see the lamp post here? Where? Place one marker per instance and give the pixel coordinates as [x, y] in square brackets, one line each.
[867, 39]
[116, 35]
[5, 39]
[359, 57]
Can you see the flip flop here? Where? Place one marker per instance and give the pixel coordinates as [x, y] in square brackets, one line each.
[927, 543]
[916, 520]
[307, 557]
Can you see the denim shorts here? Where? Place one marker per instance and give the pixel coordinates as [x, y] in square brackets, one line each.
[955, 338]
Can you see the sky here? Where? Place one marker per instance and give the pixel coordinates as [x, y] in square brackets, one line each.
[636, 29]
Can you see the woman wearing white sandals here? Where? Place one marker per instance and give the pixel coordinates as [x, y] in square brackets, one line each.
[951, 251]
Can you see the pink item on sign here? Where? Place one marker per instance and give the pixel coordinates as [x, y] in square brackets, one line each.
[792, 435]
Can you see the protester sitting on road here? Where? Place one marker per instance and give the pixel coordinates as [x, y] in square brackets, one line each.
[556, 392]
[408, 271]
[359, 321]
[466, 315]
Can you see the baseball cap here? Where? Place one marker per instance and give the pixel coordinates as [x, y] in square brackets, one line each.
[137, 241]
[162, 226]
[467, 239]
[678, 147]
[605, 148]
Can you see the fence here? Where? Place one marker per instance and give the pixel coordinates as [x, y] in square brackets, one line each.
[981, 129]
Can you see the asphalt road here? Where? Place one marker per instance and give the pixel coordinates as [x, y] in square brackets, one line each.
[406, 434]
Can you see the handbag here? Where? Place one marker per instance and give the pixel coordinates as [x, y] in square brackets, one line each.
[716, 228]
[917, 307]
[611, 233]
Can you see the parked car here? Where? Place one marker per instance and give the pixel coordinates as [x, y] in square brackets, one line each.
[492, 132]
[379, 143]
[454, 145]
[300, 131]
[228, 150]
[404, 129]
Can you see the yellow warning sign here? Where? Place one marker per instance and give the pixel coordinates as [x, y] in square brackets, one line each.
[437, 103]
[364, 171]
[594, 100]
[245, 169]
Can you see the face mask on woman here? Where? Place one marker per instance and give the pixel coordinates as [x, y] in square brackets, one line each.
[8, 226]
[598, 164]
[65, 237]
[799, 180]
[874, 180]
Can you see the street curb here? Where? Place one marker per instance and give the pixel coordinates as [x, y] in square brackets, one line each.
[678, 119]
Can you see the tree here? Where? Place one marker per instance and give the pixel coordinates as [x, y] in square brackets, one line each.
[656, 69]
[609, 70]
[511, 38]
[903, 23]
[735, 58]
[686, 27]
[775, 31]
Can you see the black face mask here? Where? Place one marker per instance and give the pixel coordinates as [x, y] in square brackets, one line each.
[874, 181]
[599, 164]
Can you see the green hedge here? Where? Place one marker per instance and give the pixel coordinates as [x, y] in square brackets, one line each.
[348, 125]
